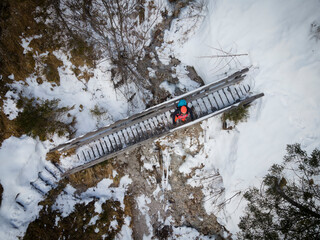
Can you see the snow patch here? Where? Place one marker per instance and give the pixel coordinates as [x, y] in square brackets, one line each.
[126, 231]
[142, 202]
[10, 105]
[65, 202]
[21, 160]
[277, 38]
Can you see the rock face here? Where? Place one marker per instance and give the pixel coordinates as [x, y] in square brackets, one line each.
[156, 72]
[159, 199]
[171, 201]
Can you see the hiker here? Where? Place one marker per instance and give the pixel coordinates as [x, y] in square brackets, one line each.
[182, 112]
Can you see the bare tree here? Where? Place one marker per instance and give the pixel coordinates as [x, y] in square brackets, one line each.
[120, 30]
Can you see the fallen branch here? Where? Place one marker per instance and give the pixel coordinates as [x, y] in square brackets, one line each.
[228, 55]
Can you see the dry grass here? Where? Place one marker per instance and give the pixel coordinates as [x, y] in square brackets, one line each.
[82, 53]
[16, 21]
[50, 68]
[90, 177]
[19, 21]
[53, 157]
[76, 225]
[7, 128]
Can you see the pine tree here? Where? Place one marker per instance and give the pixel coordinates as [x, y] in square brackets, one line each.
[288, 204]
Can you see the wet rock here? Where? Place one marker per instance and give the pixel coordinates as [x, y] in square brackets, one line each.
[193, 75]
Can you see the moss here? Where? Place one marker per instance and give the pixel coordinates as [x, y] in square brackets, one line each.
[41, 118]
[238, 114]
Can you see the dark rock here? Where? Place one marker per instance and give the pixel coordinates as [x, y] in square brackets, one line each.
[175, 62]
[163, 232]
[193, 75]
[1, 191]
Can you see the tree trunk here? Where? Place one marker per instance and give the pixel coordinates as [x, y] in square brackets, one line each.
[294, 203]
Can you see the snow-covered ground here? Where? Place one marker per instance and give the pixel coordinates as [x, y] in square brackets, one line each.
[285, 58]
[22, 158]
[278, 36]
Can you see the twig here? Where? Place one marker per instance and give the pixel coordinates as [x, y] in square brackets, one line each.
[222, 56]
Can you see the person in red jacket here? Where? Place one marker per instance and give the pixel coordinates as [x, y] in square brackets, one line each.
[182, 113]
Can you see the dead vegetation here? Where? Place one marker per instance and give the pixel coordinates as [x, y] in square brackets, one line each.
[52, 225]
[77, 225]
[7, 127]
[50, 68]
[23, 20]
[90, 177]
[53, 157]
[15, 21]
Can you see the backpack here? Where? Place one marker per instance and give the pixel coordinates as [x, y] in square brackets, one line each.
[182, 117]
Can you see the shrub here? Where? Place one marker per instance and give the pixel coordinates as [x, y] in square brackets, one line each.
[96, 111]
[41, 118]
[238, 114]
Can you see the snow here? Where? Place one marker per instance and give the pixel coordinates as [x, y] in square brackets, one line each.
[114, 173]
[126, 231]
[142, 202]
[113, 225]
[57, 221]
[283, 48]
[93, 220]
[26, 41]
[81, 95]
[168, 87]
[21, 159]
[103, 192]
[285, 57]
[65, 202]
[10, 105]
[187, 233]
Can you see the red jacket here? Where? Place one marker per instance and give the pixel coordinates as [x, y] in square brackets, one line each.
[179, 115]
